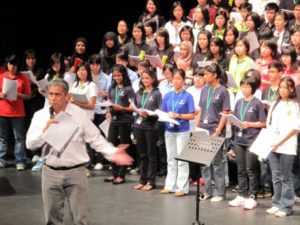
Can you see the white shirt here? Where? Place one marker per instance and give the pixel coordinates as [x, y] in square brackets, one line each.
[285, 117]
[75, 152]
[90, 90]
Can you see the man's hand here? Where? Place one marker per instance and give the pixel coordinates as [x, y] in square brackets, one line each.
[121, 157]
[49, 122]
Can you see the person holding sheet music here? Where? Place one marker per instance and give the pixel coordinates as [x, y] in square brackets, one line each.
[269, 95]
[63, 176]
[179, 105]
[283, 124]
[202, 48]
[37, 101]
[12, 113]
[85, 86]
[56, 70]
[121, 95]
[146, 129]
[164, 87]
[138, 46]
[250, 111]
[101, 80]
[213, 101]
[163, 47]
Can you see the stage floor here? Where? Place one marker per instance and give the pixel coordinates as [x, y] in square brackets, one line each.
[21, 203]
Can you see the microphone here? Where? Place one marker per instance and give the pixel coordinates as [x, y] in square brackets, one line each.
[51, 111]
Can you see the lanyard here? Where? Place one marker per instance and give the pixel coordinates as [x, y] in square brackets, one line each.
[174, 105]
[209, 97]
[242, 112]
[144, 100]
[117, 93]
[271, 98]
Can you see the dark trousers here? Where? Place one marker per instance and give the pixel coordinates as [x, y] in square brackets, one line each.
[146, 147]
[162, 152]
[119, 133]
[248, 168]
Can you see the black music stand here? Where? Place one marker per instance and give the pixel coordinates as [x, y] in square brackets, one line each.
[201, 150]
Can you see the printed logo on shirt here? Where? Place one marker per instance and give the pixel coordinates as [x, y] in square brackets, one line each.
[181, 102]
[217, 97]
[250, 110]
[151, 98]
[121, 93]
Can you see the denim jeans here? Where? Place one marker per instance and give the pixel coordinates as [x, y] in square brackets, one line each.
[281, 167]
[177, 179]
[215, 171]
[16, 124]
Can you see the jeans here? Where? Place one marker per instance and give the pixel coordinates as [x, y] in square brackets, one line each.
[177, 179]
[281, 167]
[17, 125]
[216, 171]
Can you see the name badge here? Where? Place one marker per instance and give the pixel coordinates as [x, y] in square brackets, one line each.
[205, 120]
[240, 133]
[139, 120]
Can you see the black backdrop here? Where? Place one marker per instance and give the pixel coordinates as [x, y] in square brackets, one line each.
[50, 26]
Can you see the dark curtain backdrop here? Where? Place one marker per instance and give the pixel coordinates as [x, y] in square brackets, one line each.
[24, 25]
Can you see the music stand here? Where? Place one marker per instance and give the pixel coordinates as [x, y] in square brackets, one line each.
[201, 150]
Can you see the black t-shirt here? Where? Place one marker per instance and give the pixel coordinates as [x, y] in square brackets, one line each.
[125, 95]
[152, 102]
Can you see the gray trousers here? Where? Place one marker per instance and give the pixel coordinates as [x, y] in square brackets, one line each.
[282, 177]
[61, 185]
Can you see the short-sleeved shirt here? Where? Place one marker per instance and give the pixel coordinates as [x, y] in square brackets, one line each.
[90, 90]
[152, 102]
[283, 118]
[210, 113]
[254, 112]
[10, 108]
[126, 94]
[185, 105]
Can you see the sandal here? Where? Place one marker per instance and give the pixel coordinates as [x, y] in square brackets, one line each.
[148, 187]
[109, 179]
[138, 186]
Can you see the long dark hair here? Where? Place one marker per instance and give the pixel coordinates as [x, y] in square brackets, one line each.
[120, 68]
[293, 94]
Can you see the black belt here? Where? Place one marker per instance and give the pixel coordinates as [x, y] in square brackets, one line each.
[65, 167]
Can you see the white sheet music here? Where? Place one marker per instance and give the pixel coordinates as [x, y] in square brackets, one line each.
[80, 97]
[231, 82]
[203, 64]
[160, 74]
[262, 144]
[104, 126]
[234, 120]
[134, 58]
[155, 60]
[59, 134]
[164, 117]
[42, 83]
[29, 75]
[104, 104]
[10, 89]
